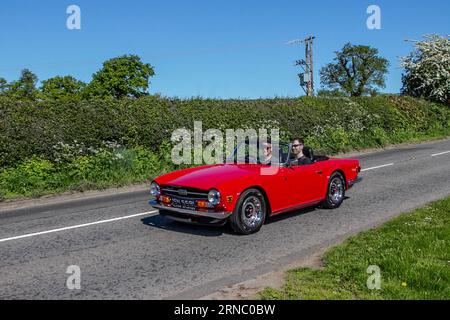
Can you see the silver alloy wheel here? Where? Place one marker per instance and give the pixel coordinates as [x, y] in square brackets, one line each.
[252, 212]
[336, 192]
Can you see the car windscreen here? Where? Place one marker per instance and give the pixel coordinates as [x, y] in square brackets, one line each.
[260, 153]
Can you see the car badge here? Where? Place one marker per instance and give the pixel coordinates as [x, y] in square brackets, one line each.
[182, 192]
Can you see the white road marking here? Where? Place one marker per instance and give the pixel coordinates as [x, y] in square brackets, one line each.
[440, 153]
[76, 226]
[382, 166]
[391, 164]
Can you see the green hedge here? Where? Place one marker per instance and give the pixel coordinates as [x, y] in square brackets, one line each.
[29, 129]
[37, 176]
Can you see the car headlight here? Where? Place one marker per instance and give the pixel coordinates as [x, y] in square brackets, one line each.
[154, 189]
[213, 197]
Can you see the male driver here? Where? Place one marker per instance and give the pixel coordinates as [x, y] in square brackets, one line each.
[297, 151]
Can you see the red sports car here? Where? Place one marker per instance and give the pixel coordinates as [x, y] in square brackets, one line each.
[246, 195]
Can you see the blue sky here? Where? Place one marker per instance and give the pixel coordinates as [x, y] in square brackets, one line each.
[224, 49]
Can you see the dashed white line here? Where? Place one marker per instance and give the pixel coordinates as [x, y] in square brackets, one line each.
[76, 226]
[440, 153]
[382, 166]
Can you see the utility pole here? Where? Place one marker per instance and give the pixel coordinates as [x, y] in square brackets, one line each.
[306, 78]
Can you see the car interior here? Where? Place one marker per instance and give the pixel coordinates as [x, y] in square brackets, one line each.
[284, 154]
[309, 153]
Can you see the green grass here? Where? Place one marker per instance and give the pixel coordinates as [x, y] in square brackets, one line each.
[412, 252]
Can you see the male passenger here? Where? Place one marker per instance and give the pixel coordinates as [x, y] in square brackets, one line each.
[297, 151]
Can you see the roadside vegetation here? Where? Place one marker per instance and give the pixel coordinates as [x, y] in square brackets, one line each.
[97, 169]
[412, 252]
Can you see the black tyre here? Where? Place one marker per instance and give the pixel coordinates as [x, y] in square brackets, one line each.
[249, 213]
[335, 192]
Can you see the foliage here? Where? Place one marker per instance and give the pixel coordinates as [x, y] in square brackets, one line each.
[427, 69]
[3, 85]
[411, 252]
[357, 70]
[330, 93]
[125, 76]
[60, 87]
[332, 124]
[102, 168]
[25, 87]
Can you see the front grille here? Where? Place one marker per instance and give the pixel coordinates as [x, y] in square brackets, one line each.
[185, 193]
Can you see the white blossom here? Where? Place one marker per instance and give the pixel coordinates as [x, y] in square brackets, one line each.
[428, 69]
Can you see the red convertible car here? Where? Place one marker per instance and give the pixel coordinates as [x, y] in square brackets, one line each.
[243, 194]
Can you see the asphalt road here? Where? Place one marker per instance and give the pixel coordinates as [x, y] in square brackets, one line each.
[125, 250]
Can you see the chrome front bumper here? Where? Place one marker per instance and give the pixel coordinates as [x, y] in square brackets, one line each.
[220, 215]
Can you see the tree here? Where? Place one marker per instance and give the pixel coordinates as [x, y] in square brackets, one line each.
[124, 76]
[58, 87]
[330, 93]
[3, 85]
[356, 71]
[427, 69]
[25, 87]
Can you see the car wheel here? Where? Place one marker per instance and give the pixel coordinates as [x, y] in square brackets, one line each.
[335, 192]
[249, 213]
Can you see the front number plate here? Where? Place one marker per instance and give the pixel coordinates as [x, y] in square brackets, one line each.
[183, 203]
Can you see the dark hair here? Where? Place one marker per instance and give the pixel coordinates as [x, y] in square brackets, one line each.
[299, 140]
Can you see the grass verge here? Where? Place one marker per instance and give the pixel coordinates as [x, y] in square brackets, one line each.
[412, 252]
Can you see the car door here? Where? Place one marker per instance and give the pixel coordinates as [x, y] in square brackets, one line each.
[305, 183]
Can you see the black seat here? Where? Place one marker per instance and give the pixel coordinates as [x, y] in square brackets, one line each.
[308, 152]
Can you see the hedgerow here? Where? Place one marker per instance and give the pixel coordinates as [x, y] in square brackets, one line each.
[30, 129]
